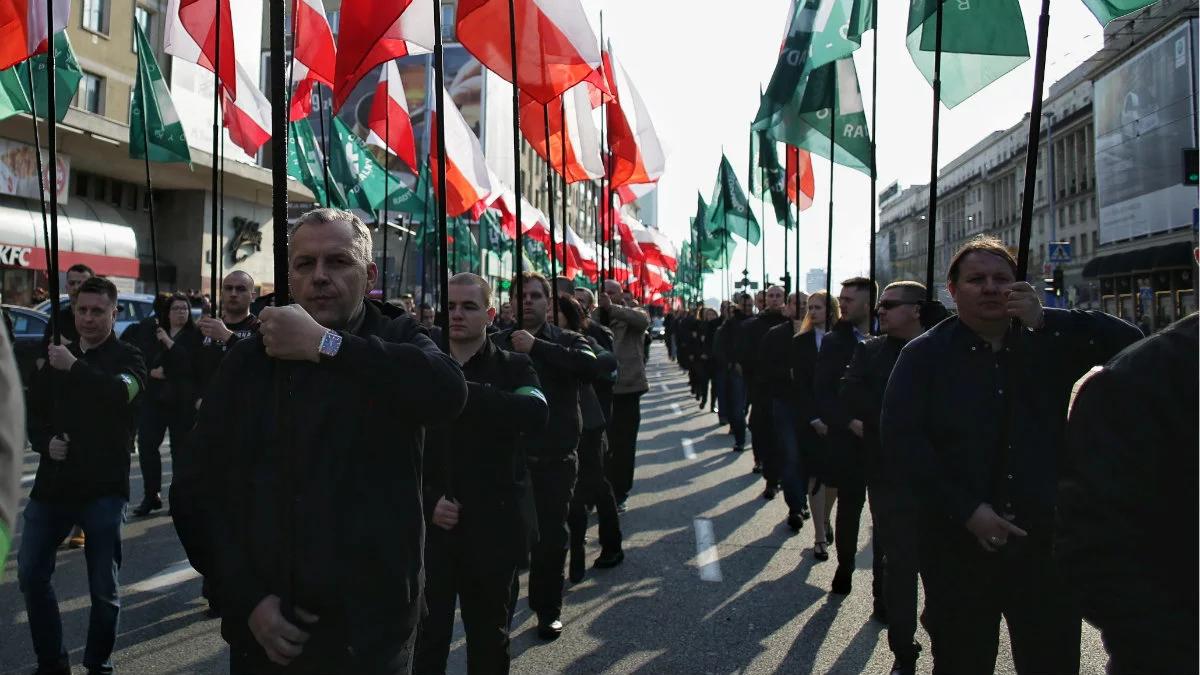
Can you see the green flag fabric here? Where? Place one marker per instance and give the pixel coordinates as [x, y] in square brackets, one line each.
[838, 28]
[1107, 10]
[12, 94]
[775, 182]
[361, 177]
[153, 112]
[981, 41]
[715, 249]
[730, 211]
[306, 165]
[792, 64]
[15, 93]
[753, 183]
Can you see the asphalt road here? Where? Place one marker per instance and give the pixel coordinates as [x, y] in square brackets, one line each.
[713, 580]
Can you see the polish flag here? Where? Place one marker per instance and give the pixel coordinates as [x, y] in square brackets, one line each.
[800, 161]
[582, 138]
[631, 192]
[468, 178]
[373, 31]
[315, 60]
[557, 47]
[23, 28]
[389, 117]
[192, 36]
[637, 153]
[620, 271]
[657, 247]
[626, 228]
[577, 256]
[248, 115]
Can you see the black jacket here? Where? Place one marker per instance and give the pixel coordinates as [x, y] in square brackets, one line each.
[725, 341]
[95, 404]
[946, 415]
[315, 473]
[212, 353]
[66, 329]
[478, 459]
[774, 360]
[181, 364]
[603, 386]
[593, 412]
[802, 362]
[1131, 477]
[862, 392]
[563, 360]
[837, 349]
[749, 348]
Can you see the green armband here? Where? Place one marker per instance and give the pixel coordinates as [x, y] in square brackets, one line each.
[132, 388]
[5, 543]
[532, 391]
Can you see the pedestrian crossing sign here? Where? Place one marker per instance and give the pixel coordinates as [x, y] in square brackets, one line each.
[1060, 252]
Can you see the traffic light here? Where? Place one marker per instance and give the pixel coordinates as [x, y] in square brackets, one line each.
[1191, 173]
[1058, 281]
[504, 285]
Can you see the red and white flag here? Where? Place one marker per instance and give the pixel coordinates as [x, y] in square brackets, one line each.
[23, 30]
[315, 60]
[800, 162]
[637, 153]
[631, 192]
[626, 226]
[391, 128]
[192, 36]
[582, 138]
[657, 247]
[373, 31]
[468, 178]
[577, 256]
[557, 47]
[248, 115]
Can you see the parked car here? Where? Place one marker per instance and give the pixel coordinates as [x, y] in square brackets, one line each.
[658, 331]
[131, 308]
[29, 325]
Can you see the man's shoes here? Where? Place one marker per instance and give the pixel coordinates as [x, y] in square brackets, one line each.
[879, 611]
[703, 404]
[621, 507]
[804, 513]
[738, 447]
[906, 664]
[577, 566]
[757, 467]
[76, 540]
[795, 521]
[609, 559]
[150, 504]
[53, 670]
[549, 629]
[769, 493]
[842, 580]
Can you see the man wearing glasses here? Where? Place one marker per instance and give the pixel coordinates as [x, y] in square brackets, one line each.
[891, 501]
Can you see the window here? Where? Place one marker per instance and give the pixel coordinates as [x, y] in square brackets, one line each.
[448, 23]
[146, 21]
[99, 188]
[1095, 240]
[82, 183]
[95, 16]
[1071, 214]
[1072, 241]
[117, 195]
[91, 93]
[1082, 245]
[1041, 226]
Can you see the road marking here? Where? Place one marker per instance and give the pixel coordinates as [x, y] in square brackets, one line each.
[689, 450]
[171, 576]
[664, 387]
[706, 551]
[675, 409]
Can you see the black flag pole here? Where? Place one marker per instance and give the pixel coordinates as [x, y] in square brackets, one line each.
[404, 253]
[51, 260]
[550, 203]
[931, 240]
[149, 186]
[279, 132]
[562, 147]
[324, 145]
[439, 81]
[518, 248]
[787, 274]
[387, 176]
[1031, 156]
[52, 147]
[874, 130]
[829, 242]
[786, 150]
[214, 246]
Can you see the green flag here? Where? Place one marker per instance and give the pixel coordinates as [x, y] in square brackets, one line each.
[1107, 10]
[67, 75]
[153, 113]
[12, 94]
[753, 184]
[306, 165]
[838, 28]
[792, 64]
[775, 183]
[357, 172]
[730, 211]
[981, 41]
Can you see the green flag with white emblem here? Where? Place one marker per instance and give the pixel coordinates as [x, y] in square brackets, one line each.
[1107, 10]
[153, 113]
[66, 83]
[306, 165]
[838, 28]
[730, 211]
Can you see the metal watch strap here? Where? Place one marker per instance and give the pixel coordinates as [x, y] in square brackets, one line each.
[331, 342]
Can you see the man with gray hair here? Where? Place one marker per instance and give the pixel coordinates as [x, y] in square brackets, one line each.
[330, 400]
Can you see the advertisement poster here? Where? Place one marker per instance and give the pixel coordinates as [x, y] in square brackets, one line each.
[18, 171]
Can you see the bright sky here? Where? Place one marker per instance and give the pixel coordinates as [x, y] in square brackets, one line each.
[699, 65]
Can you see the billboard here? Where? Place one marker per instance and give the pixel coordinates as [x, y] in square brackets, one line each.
[1144, 118]
[18, 171]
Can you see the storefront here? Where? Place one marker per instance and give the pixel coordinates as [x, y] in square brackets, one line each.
[1155, 285]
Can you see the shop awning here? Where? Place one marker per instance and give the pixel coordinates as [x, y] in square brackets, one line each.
[1167, 256]
[88, 233]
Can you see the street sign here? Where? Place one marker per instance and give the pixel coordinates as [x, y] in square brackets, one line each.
[1060, 252]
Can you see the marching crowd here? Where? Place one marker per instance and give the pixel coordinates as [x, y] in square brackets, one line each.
[300, 433]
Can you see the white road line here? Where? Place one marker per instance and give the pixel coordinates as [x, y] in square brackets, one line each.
[706, 551]
[675, 409]
[664, 387]
[27, 479]
[689, 450]
[171, 576]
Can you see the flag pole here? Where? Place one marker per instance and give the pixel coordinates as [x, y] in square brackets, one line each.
[518, 289]
[387, 176]
[142, 85]
[562, 145]
[1031, 157]
[279, 132]
[874, 130]
[550, 202]
[51, 260]
[787, 275]
[829, 242]
[52, 148]
[439, 77]
[786, 150]
[214, 244]
[324, 146]
[404, 253]
[931, 241]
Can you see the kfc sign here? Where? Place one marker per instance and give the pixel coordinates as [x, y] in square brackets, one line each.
[14, 256]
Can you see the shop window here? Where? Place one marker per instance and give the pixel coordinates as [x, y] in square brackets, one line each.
[95, 16]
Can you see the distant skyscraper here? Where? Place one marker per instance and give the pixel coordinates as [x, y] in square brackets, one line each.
[814, 280]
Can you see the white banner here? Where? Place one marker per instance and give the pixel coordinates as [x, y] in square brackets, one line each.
[18, 171]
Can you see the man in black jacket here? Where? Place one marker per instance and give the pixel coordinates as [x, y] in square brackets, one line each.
[562, 360]
[476, 491]
[82, 415]
[726, 350]
[892, 510]
[776, 354]
[1131, 477]
[754, 371]
[975, 411]
[328, 404]
[847, 471]
[236, 323]
[76, 275]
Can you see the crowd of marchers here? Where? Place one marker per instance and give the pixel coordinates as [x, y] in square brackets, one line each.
[344, 473]
[1015, 458]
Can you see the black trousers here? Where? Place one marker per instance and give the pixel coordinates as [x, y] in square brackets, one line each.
[622, 440]
[456, 570]
[327, 654]
[968, 589]
[894, 515]
[762, 434]
[852, 497]
[190, 514]
[553, 482]
[154, 419]
[592, 488]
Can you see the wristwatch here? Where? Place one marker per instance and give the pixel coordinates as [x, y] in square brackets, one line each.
[331, 342]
